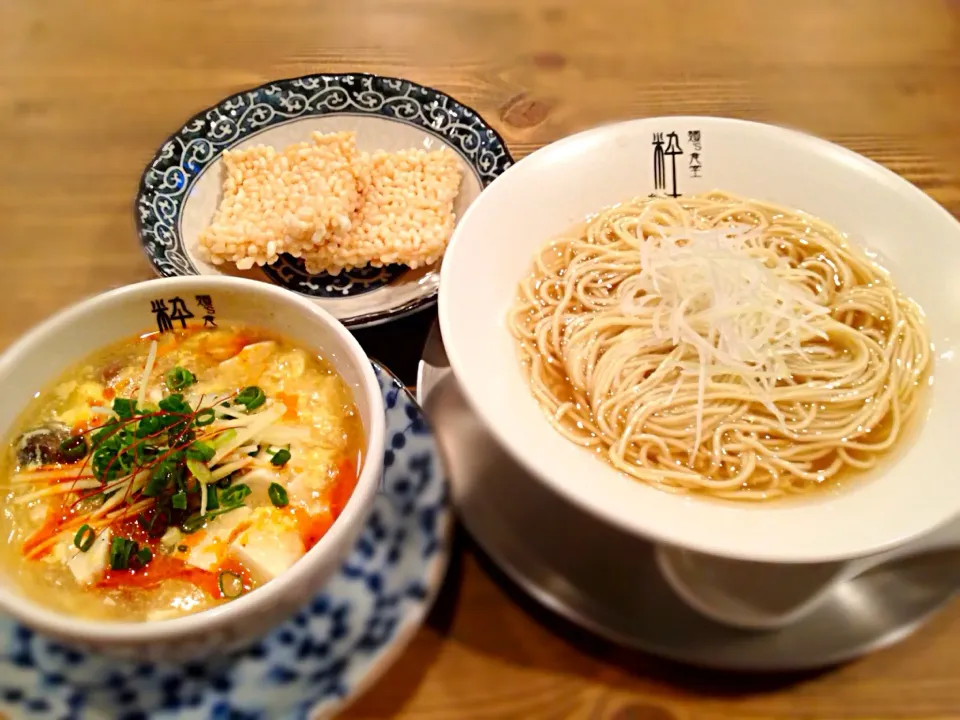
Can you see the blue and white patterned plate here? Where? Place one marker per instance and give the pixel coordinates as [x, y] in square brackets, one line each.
[312, 666]
[180, 188]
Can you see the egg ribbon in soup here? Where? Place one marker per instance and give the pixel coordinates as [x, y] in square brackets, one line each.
[174, 472]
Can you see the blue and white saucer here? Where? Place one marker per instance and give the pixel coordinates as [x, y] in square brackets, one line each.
[312, 666]
[180, 188]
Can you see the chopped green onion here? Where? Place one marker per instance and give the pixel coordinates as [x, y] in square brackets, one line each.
[179, 378]
[200, 471]
[144, 555]
[149, 425]
[120, 551]
[161, 522]
[179, 500]
[252, 397]
[161, 477]
[174, 404]
[205, 417]
[157, 524]
[280, 457]
[84, 538]
[278, 495]
[201, 451]
[124, 408]
[74, 448]
[182, 548]
[212, 502]
[193, 523]
[144, 454]
[234, 495]
[231, 585]
[254, 453]
[100, 464]
[180, 478]
[101, 436]
[223, 438]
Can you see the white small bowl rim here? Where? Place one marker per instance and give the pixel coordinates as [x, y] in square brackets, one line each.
[106, 633]
[528, 459]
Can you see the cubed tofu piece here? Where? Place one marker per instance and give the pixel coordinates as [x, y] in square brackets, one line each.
[259, 481]
[286, 366]
[209, 546]
[311, 488]
[246, 367]
[171, 538]
[88, 567]
[270, 545]
[307, 490]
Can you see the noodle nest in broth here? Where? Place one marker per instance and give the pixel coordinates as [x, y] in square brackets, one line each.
[721, 346]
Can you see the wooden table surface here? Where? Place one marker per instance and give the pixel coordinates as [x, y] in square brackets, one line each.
[88, 90]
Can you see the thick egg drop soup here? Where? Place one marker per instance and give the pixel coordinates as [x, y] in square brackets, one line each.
[173, 472]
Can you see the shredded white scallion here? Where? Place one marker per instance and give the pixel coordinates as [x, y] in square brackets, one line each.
[741, 307]
[231, 467]
[261, 422]
[147, 371]
[230, 412]
[59, 489]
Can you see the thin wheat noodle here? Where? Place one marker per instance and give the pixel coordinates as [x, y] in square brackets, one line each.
[601, 352]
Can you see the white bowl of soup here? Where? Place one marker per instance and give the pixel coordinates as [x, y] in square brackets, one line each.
[720, 335]
[185, 463]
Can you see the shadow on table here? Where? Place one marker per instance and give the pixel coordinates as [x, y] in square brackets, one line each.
[494, 635]
[599, 652]
[399, 344]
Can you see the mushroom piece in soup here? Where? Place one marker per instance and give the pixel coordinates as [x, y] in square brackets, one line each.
[170, 473]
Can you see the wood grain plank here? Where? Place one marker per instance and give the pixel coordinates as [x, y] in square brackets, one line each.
[89, 90]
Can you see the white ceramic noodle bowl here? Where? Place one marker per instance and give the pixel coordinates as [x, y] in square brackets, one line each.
[39, 357]
[549, 191]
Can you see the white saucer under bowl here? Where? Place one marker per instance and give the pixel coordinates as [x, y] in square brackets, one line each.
[606, 581]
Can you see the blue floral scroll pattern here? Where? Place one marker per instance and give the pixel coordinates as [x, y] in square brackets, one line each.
[290, 272]
[313, 663]
[167, 180]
